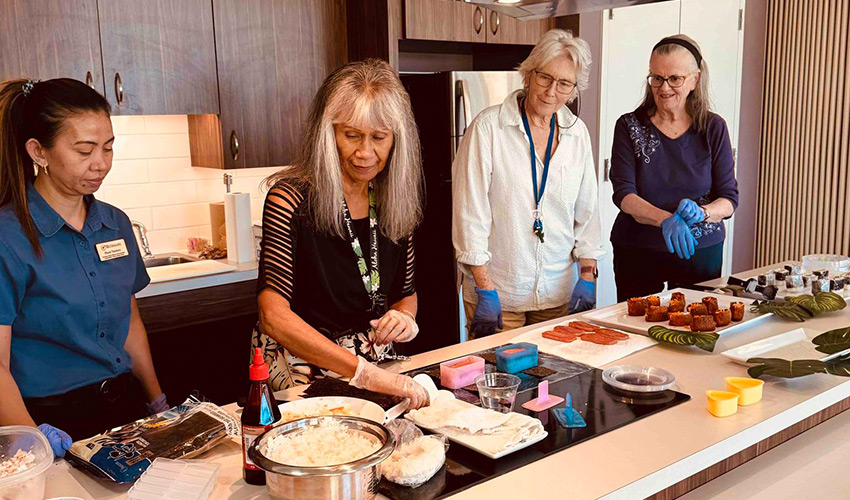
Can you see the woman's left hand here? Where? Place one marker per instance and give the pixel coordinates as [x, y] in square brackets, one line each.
[690, 212]
[394, 326]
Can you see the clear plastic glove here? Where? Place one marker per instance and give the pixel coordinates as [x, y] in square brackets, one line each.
[158, 405]
[372, 378]
[394, 326]
[690, 212]
[678, 237]
[488, 313]
[584, 297]
[59, 440]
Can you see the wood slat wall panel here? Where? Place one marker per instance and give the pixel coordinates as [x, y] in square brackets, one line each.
[804, 185]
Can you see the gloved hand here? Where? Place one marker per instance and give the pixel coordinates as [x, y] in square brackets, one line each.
[678, 237]
[690, 212]
[59, 440]
[584, 296]
[372, 378]
[158, 405]
[488, 313]
[394, 326]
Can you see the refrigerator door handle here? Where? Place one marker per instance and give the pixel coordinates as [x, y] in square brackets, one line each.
[462, 91]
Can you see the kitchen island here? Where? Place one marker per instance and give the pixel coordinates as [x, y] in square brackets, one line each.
[680, 447]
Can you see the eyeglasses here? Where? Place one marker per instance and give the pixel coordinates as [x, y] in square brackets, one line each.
[546, 80]
[675, 81]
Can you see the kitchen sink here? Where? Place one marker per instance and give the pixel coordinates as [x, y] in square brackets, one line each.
[168, 260]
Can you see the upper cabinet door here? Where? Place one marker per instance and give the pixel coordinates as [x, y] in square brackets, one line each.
[159, 56]
[444, 20]
[502, 28]
[272, 57]
[50, 39]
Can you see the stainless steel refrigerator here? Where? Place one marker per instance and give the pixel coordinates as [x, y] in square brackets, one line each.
[444, 104]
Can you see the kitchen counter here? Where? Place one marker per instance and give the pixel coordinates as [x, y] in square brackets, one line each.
[635, 461]
[243, 272]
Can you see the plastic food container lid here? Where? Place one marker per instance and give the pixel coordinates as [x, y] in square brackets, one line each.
[638, 378]
[21, 437]
[171, 479]
[830, 261]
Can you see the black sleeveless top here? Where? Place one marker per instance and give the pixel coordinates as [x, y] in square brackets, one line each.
[317, 272]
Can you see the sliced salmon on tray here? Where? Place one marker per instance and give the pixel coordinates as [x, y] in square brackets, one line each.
[568, 329]
[614, 334]
[559, 336]
[581, 325]
[599, 338]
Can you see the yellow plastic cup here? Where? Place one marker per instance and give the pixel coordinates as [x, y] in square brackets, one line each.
[721, 403]
[749, 390]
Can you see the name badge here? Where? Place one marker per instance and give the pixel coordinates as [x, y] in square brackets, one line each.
[109, 250]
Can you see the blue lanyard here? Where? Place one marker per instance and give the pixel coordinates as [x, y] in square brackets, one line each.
[537, 228]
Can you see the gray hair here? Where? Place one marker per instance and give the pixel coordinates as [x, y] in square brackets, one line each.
[363, 93]
[556, 43]
[698, 103]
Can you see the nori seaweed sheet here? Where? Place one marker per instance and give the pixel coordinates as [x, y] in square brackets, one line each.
[333, 387]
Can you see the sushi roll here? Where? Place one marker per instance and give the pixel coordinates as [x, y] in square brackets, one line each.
[780, 274]
[655, 314]
[807, 280]
[722, 317]
[698, 309]
[680, 319]
[703, 323]
[637, 306]
[836, 285]
[820, 285]
[653, 300]
[710, 304]
[737, 309]
[793, 269]
[675, 305]
[821, 273]
[793, 282]
[677, 296]
[762, 279]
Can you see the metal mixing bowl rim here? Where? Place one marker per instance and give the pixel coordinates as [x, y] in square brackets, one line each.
[364, 425]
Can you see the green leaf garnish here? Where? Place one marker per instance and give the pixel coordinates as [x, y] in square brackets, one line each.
[703, 340]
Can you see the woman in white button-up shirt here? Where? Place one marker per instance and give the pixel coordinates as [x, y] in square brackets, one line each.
[524, 260]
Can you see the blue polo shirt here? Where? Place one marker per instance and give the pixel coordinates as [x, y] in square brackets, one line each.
[69, 310]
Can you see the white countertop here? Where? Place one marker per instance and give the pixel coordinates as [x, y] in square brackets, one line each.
[243, 272]
[631, 462]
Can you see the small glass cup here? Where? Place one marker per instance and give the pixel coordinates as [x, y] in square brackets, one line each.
[497, 391]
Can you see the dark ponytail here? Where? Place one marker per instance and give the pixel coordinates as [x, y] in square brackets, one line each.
[35, 111]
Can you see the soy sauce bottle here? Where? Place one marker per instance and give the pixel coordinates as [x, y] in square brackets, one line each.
[259, 415]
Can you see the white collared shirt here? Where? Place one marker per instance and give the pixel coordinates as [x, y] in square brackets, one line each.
[493, 208]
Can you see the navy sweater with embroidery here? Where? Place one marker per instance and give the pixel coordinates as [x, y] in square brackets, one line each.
[662, 171]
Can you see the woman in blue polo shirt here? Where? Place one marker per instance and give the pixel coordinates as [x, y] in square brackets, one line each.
[74, 353]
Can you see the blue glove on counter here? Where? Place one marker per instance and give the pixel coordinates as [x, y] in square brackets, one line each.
[678, 237]
[158, 405]
[59, 440]
[690, 212]
[488, 313]
[584, 296]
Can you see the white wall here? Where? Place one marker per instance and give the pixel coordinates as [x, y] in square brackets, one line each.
[153, 181]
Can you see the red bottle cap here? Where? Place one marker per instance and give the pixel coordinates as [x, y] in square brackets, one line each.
[259, 370]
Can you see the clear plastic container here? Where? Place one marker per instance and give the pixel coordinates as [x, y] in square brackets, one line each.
[638, 378]
[168, 479]
[27, 484]
[833, 263]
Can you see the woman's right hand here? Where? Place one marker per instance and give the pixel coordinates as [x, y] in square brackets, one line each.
[59, 440]
[678, 237]
[370, 377]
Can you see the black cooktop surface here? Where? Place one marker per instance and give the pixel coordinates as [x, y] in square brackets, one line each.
[603, 408]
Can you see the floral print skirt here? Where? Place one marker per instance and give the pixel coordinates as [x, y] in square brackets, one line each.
[287, 370]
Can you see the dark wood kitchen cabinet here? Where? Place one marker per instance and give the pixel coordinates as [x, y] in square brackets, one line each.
[444, 20]
[272, 57]
[47, 39]
[502, 28]
[158, 56]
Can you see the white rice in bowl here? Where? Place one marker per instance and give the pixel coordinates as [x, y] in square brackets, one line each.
[328, 443]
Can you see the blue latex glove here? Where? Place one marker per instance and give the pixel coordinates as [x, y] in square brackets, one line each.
[678, 237]
[584, 296]
[488, 313]
[59, 440]
[158, 405]
[690, 212]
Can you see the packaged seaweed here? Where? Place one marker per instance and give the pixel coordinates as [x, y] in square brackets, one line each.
[122, 454]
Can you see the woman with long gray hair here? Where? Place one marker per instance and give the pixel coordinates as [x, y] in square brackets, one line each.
[337, 266]
[674, 177]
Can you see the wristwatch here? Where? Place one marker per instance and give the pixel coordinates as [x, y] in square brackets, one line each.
[705, 211]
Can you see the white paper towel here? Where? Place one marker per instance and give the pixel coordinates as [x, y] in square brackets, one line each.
[237, 216]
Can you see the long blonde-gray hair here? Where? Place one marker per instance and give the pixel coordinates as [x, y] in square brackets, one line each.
[363, 93]
[698, 103]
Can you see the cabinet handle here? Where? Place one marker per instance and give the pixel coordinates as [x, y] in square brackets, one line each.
[478, 20]
[234, 145]
[494, 25]
[89, 79]
[119, 89]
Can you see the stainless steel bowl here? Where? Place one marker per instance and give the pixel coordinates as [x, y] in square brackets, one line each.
[350, 481]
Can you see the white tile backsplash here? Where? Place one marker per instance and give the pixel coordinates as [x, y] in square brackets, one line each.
[153, 181]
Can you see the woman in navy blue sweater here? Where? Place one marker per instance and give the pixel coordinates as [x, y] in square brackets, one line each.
[674, 178]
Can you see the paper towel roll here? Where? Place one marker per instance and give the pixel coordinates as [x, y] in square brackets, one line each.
[237, 215]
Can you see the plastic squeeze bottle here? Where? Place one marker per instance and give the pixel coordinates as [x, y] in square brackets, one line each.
[259, 415]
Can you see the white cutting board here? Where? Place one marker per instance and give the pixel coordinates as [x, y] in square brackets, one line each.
[188, 270]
